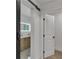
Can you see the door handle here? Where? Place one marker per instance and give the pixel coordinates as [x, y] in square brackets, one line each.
[53, 37]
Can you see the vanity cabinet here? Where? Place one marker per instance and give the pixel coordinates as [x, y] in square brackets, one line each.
[24, 43]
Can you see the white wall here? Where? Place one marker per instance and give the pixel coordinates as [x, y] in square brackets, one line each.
[58, 32]
[35, 36]
[35, 33]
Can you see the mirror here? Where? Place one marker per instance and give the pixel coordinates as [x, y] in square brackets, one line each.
[25, 32]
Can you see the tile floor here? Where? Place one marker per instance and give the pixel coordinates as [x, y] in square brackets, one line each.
[25, 54]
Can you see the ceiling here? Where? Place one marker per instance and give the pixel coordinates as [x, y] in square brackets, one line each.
[50, 6]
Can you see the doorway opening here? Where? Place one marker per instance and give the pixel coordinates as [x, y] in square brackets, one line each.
[52, 36]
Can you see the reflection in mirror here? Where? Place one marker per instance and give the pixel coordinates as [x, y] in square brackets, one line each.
[25, 30]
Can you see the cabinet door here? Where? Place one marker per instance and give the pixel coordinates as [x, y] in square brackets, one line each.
[24, 43]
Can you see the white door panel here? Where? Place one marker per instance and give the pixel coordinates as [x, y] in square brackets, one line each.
[49, 32]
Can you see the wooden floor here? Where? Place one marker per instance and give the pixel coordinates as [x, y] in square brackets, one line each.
[58, 55]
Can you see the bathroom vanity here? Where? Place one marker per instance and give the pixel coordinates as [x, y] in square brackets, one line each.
[24, 43]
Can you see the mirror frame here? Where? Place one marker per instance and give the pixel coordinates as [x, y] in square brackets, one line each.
[18, 29]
